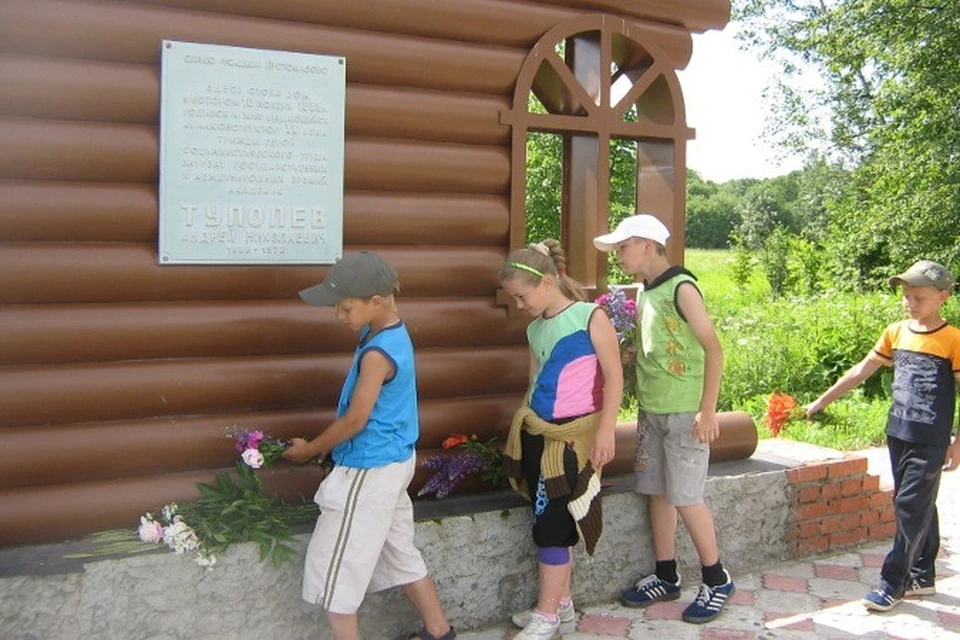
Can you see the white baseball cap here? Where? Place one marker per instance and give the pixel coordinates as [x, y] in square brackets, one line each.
[643, 225]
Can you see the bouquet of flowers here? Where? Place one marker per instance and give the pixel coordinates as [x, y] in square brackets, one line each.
[257, 449]
[230, 511]
[623, 316]
[782, 409]
[478, 457]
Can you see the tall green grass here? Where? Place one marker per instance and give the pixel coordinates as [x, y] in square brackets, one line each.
[799, 346]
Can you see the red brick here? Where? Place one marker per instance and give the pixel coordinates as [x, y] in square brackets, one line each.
[785, 583]
[872, 560]
[869, 517]
[835, 571]
[848, 467]
[849, 505]
[808, 529]
[887, 514]
[604, 625]
[850, 521]
[808, 493]
[831, 489]
[883, 530]
[871, 484]
[810, 511]
[830, 524]
[743, 597]
[665, 611]
[949, 619]
[813, 545]
[848, 537]
[851, 487]
[881, 499]
[807, 473]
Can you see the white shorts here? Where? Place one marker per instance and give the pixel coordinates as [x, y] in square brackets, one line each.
[677, 463]
[363, 541]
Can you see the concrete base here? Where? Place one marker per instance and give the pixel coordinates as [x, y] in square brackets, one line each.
[478, 549]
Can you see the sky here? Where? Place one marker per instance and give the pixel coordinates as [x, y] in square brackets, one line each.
[722, 89]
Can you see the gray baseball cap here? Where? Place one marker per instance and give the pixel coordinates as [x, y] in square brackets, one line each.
[925, 273]
[360, 275]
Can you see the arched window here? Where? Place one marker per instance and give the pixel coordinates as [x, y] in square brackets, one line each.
[598, 82]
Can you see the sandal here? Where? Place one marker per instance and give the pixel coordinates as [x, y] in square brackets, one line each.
[423, 634]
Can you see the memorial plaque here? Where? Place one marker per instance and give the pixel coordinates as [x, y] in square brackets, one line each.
[251, 156]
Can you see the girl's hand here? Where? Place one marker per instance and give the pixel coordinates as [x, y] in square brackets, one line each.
[628, 356]
[603, 448]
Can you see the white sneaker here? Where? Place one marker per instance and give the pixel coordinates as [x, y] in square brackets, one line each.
[539, 628]
[566, 612]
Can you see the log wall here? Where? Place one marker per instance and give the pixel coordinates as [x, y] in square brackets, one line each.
[119, 377]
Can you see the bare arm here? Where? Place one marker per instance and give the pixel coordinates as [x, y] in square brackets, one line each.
[953, 451]
[375, 368]
[691, 306]
[605, 343]
[851, 379]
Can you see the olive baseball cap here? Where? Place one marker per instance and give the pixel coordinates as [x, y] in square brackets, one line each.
[925, 273]
[360, 275]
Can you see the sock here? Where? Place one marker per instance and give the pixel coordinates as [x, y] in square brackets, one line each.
[552, 617]
[667, 570]
[713, 576]
[564, 602]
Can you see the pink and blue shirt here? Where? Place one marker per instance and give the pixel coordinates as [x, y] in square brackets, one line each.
[568, 381]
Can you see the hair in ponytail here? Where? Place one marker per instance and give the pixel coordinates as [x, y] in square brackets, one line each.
[541, 259]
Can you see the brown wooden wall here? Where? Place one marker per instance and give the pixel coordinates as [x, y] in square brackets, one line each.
[119, 377]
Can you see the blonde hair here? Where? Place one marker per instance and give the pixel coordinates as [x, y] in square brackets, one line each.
[541, 259]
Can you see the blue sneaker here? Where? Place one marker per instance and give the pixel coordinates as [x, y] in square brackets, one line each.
[880, 600]
[709, 602]
[649, 590]
[920, 587]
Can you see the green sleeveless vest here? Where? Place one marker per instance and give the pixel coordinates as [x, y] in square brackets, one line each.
[670, 360]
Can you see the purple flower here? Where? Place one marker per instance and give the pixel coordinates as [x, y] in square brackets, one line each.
[450, 471]
[621, 311]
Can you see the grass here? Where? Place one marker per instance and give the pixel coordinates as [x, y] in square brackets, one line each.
[798, 346]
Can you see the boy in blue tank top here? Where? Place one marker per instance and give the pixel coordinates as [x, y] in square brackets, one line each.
[363, 540]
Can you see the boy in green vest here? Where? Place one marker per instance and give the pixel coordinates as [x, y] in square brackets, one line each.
[679, 362]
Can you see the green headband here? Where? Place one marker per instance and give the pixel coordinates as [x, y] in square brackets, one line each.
[524, 267]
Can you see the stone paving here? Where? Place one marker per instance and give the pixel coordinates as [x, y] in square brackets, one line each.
[813, 598]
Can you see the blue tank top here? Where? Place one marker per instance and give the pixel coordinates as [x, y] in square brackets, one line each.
[391, 432]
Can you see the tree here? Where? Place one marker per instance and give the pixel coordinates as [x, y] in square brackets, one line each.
[886, 112]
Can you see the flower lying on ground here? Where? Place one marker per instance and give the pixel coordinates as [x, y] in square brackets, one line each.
[622, 312]
[230, 511]
[451, 469]
[782, 409]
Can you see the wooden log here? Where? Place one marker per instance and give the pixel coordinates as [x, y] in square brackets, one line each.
[46, 273]
[57, 512]
[139, 390]
[47, 211]
[94, 451]
[502, 22]
[123, 32]
[59, 89]
[112, 152]
[76, 333]
[696, 15]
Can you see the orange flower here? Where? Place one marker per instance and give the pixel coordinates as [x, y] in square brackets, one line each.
[454, 440]
[781, 408]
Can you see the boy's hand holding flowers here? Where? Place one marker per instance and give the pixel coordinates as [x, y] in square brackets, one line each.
[300, 451]
[781, 410]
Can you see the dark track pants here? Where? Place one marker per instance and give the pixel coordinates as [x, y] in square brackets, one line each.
[916, 479]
